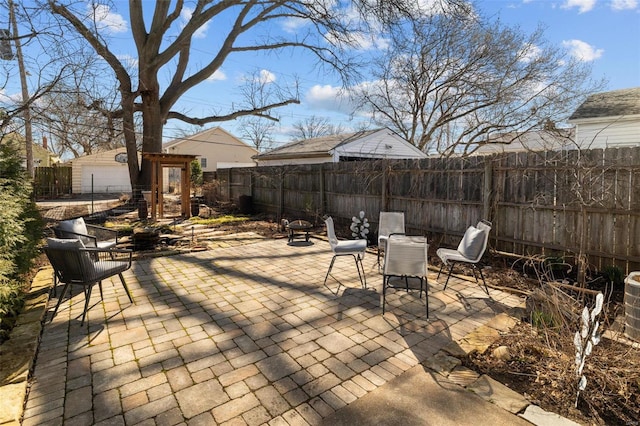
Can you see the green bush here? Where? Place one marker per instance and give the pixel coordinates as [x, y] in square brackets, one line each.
[20, 230]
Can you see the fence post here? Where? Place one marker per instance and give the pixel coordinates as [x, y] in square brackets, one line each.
[280, 194]
[322, 191]
[487, 193]
[383, 201]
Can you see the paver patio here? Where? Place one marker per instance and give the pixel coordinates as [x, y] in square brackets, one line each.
[241, 334]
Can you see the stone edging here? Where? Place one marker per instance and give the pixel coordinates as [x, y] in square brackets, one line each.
[18, 353]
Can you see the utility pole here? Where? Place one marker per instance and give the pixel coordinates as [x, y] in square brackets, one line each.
[26, 112]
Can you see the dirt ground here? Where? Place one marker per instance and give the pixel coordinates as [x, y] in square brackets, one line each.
[541, 362]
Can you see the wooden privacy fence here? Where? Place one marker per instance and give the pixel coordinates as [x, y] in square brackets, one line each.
[548, 203]
[52, 181]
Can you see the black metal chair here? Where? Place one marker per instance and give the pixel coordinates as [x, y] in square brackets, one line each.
[91, 235]
[74, 264]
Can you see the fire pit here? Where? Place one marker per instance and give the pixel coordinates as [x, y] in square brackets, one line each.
[145, 239]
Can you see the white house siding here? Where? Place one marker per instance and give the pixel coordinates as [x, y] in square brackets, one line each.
[295, 161]
[598, 133]
[216, 145]
[381, 144]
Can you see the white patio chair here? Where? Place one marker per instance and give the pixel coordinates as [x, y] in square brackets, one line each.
[405, 257]
[470, 251]
[355, 248]
[389, 223]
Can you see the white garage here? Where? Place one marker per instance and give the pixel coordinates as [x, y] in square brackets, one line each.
[108, 170]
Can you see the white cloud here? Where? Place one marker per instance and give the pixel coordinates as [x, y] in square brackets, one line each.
[328, 98]
[219, 75]
[266, 77]
[186, 14]
[624, 4]
[9, 99]
[582, 5]
[582, 51]
[359, 40]
[530, 53]
[106, 19]
[292, 25]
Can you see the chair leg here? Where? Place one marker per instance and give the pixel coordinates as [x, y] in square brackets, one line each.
[486, 289]
[441, 266]
[100, 287]
[385, 282]
[426, 293]
[124, 284]
[359, 265]
[64, 292]
[329, 271]
[87, 298]
[448, 276]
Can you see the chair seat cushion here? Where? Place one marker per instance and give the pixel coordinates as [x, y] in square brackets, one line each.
[472, 242]
[351, 246]
[107, 268]
[447, 255]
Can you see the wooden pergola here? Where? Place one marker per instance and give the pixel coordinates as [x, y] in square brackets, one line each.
[159, 161]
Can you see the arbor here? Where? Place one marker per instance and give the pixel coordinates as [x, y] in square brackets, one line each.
[164, 48]
[448, 81]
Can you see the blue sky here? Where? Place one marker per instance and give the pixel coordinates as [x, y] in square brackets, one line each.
[605, 33]
[602, 32]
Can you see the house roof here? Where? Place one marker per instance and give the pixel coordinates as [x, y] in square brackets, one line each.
[326, 145]
[537, 140]
[609, 104]
[208, 136]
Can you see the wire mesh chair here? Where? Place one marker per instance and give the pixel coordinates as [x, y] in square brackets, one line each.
[389, 223]
[354, 248]
[470, 251]
[405, 257]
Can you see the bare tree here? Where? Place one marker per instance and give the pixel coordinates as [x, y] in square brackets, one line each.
[259, 132]
[448, 82]
[164, 45]
[313, 127]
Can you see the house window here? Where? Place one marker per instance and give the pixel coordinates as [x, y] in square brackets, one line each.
[203, 163]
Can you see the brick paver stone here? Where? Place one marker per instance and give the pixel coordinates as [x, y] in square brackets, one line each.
[200, 398]
[278, 366]
[335, 343]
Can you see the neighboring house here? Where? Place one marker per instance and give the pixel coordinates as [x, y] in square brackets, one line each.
[104, 172]
[608, 119]
[363, 145]
[42, 157]
[216, 148]
[535, 140]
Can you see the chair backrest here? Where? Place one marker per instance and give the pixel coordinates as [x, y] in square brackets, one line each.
[390, 223]
[406, 257]
[474, 242]
[331, 232]
[74, 228]
[70, 262]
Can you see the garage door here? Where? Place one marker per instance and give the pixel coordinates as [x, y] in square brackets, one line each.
[111, 179]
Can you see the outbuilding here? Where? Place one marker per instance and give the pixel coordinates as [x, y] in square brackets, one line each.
[363, 145]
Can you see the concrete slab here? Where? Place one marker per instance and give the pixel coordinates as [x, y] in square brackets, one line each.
[419, 397]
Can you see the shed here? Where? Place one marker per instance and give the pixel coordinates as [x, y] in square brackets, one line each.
[608, 119]
[363, 145]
